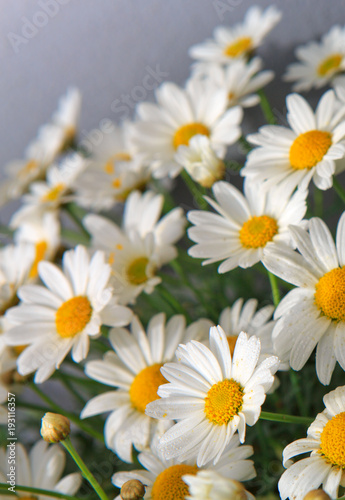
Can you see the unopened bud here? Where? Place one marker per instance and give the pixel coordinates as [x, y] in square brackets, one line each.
[317, 495]
[55, 427]
[132, 490]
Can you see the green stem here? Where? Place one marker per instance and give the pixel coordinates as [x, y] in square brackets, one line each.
[274, 287]
[76, 214]
[297, 391]
[338, 188]
[289, 419]
[67, 443]
[73, 237]
[74, 418]
[66, 382]
[266, 108]
[173, 302]
[197, 192]
[246, 147]
[318, 202]
[36, 491]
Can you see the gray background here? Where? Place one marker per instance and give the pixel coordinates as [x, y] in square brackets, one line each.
[104, 47]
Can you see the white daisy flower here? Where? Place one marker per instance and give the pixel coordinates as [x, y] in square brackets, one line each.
[168, 476]
[240, 40]
[200, 161]
[114, 170]
[199, 108]
[49, 195]
[211, 395]
[326, 464]
[246, 224]
[141, 246]
[313, 314]
[66, 117]
[308, 149]
[319, 62]
[208, 485]
[64, 314]
[134, 370]
[241, 80]
[44, 234]
[41, 468]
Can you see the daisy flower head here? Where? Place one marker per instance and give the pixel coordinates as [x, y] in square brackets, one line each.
[41, 468]
[63, 315]
[307, 150]
[48, 195]
[245, 224]
[168, 476]
[319, 62]
[211, 395]
[134, 371]
[141, 246]
[240, 40]
[313, 314]
[114, 170]
[180, 114]
[208, 485]
[326, 464]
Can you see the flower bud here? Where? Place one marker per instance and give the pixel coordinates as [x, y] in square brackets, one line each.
[55, 427]
[132, 490]
[317, 495]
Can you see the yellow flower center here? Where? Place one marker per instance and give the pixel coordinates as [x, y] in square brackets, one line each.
[29, 167]
[238, 47]
[145, 385]
[73, 316]
[184, 134]
[329, 65]
[109, 167]
[223, 401]
[333, 441]
[40, 251]
[232, 339]
[54, 193]
[136, 271]
[258, 231]
[18, 349]
[330, 294]
[169, 484]
[309, 148]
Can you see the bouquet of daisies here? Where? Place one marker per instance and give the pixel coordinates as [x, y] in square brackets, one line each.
[181, 337]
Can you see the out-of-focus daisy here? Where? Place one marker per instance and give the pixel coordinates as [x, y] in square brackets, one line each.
[308, 149]
[141, 247]
[114, 170]
[200, 161]
[167, 476]
[41, 468]
[44, 234]
[16, 261]
[241, 80]
[49, 195]
[64, 314]
[240, 40]
[134, 369]
[66, 117]
[212, 395]
[326, 442]
[313, 314]
[199, 108]
[246, 224]
[319, 62]
[208, 485]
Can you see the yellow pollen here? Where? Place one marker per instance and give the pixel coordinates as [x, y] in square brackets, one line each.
[54, 193]
[330, 294]
[119, 246]
[111, 258]
[184, 134]
[329, 65]
[73, 316]
[258, 231]
[333, 441]
[40, 251]
[169, 484]
[136, 271]
[223, 401]
[145, 385]
[109, 166]
[18, 349]
[116, 183]
[309, 148]
[29, 167]
[232, 339]
[238, 47]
